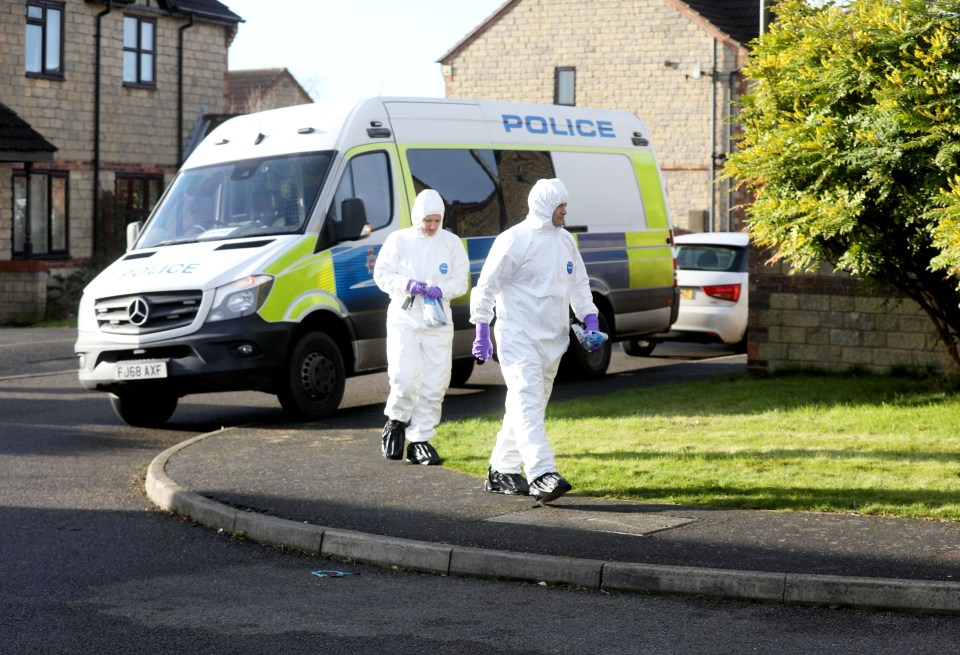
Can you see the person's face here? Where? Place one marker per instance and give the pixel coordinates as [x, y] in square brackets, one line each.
[558, 214]
[431, 223]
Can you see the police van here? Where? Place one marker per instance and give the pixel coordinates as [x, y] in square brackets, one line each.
[255, 269]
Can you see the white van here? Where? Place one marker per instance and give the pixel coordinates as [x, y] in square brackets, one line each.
[255, 270]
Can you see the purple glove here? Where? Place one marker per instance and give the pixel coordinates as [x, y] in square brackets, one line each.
[591, 323]
[482, 348]
[416, 288]
[433, 292]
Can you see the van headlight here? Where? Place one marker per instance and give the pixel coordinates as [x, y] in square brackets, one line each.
[240, 298]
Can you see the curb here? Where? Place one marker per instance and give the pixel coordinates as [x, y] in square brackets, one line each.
[427, 557]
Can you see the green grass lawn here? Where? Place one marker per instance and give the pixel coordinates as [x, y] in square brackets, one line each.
[883, 445]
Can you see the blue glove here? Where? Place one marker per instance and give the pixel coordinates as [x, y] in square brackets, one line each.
[590, 337]
[433, 292]
[591, 323]
[415, 287]
[482, 347]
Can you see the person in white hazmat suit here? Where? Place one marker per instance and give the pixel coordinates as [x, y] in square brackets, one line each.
[419, 267]
[530, 279]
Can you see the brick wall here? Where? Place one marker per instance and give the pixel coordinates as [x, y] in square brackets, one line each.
[829, 320]
[23, 292]
[620, 51]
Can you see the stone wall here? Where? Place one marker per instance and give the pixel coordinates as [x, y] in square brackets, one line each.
[830, 320]
[642, 57]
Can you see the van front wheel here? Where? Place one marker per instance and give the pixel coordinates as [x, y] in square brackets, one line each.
[144, 411]
[315, 378]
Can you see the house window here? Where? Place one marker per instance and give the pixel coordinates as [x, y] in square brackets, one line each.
[136, 196]
[44, 39]
[565, 86]
[40, 214]
[139, 51]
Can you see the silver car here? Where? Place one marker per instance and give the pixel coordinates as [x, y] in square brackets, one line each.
[713, 280]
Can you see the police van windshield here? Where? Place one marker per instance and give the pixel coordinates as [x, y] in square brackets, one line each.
[249, 198]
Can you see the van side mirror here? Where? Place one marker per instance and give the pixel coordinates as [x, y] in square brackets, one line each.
[353, 219]
[133, 233]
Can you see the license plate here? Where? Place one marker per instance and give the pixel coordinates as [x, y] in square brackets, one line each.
[686, 292]
[140, 371]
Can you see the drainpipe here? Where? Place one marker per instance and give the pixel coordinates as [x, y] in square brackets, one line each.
[96, 132]
[714, 156]
[728, 138]
[27, 230]
[183, 28]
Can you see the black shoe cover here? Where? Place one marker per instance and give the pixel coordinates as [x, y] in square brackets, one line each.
[394, 433]
[511, 484]
[549, 486]
[421, 452]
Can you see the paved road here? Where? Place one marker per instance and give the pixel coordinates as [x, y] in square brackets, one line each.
[88, 565]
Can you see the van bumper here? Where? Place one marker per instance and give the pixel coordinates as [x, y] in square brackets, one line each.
[242, 354]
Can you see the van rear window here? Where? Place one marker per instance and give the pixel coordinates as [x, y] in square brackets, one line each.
[485, 190]
[619, 208]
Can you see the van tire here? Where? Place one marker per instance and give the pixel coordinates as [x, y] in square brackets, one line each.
[460, 372]
[578, 364]
[638, 347]
[315, 378]
[144, 411]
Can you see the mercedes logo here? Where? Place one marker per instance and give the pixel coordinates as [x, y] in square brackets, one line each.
[138, 311]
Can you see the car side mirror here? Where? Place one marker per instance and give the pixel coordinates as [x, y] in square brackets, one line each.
[353, 220]
[133, 233]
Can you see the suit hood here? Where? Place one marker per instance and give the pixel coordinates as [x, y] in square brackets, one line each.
[426, 203]
[545, 196]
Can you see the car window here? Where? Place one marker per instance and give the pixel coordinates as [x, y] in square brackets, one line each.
[709, 257]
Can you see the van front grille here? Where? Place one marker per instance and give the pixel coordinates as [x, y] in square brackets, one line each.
[144, 313]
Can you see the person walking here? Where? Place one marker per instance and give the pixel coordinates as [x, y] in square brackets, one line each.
[532, 277]
[421, 268]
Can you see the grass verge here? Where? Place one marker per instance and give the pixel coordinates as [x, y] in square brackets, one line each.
[883, 445]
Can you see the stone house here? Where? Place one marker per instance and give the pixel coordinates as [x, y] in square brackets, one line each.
[115, 87]
[675, 63]
[265, 88]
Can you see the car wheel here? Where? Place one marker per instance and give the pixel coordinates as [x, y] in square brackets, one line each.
[315, 378]
[460, 372]
[638, 347]
[740, 347]
[144, 411]
[579, 364]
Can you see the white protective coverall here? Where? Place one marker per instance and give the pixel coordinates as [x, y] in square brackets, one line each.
[532, 276]
[418, 355]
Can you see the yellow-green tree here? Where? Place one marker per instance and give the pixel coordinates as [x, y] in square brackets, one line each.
[851, 145]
